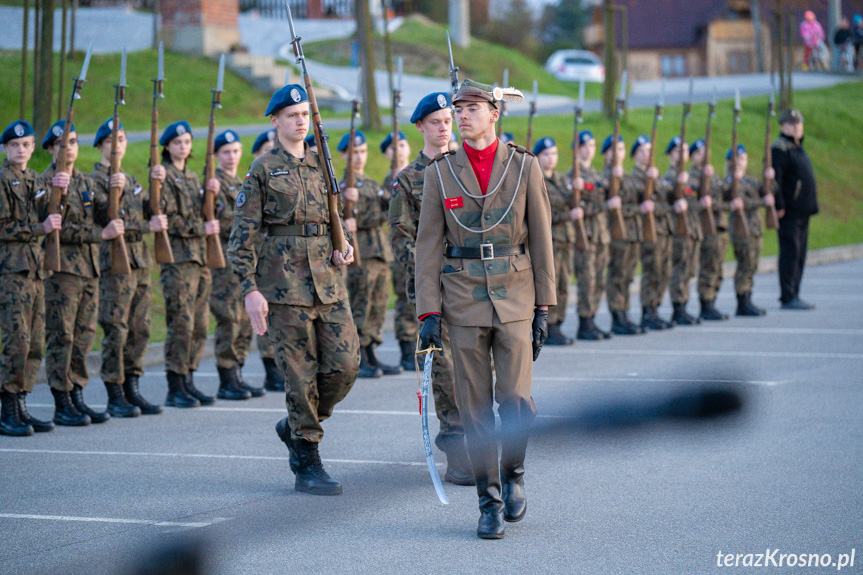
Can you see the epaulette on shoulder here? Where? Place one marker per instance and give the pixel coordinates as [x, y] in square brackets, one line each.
[440, 156]
[520, 149]
[783, 144]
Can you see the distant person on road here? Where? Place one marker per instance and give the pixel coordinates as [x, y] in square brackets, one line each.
[842, 40]
[812, 34]
[857, 38]
[796, 201]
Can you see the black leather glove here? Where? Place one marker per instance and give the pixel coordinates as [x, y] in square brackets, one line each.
[430, 332]
[539, 330]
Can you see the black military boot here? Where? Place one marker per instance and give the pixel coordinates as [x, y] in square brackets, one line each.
[273, 381]
[604, 334]
[38, 425]
[491, 514]
[407, 361]
[133, 396]
[458, 469]
[77, 394]
[745, 307]
[667, 324]
[189, 386]
[512, 492]
[586, 330]
[681, 317]
[709, 311]
[244, 385]
[177, 396]
[621, 325]
[373, 360]
[284, 433]
[10, 418]
[118, 405]
[650, 319]
[311, 475]
[556, 336]
[229, 387]
[367, 370]
[65, 412]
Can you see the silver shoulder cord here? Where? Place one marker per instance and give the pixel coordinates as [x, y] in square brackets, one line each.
[496, 188]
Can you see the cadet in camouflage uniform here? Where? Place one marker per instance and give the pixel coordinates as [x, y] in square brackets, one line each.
[22, 293]
[433, 119]
[713, 247]
[562, 234]
[124, 299]
[684, 250]
[293, 285]
[623, 258]
[233, 335]
[591, 264]
[747, 250]
[368, 283]
[186, 283]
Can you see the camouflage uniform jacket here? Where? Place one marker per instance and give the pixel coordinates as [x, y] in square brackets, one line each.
[559, 196]
[20, 228]
[408, 193]
[717, 192]
[663, 198]
[280, 189]
[80, 236]
[751, 192]
[183, 199]
[693, 216]
[225, 202]
[134, 211]
[593, 203]
[631, 189]
[371, 211]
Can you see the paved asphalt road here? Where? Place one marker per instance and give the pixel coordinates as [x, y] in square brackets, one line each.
[615, 484]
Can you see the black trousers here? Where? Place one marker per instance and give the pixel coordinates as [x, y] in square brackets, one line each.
[793, 237]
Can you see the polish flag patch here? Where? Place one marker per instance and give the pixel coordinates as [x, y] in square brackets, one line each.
[453, 203]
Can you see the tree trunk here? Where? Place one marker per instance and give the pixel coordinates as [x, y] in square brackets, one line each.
[609, 88]
[61, 83]
[24, 44]
[371, 112]
[756, 30]
[44, 95]
[388, 50]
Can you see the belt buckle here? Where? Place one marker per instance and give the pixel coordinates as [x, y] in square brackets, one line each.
[310, 230]
[486, 252]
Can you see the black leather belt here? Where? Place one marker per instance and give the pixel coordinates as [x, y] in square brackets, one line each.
[304, 230]
[483, 252]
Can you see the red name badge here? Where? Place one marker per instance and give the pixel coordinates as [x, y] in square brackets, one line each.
[453, 203]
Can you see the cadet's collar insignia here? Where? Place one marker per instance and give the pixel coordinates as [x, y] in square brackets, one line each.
[57, 131]
[181, 129]
[19, 130]
[232, 188]
[178, 180]
[137, 190]
[16, 182]
[359, 184]
[229, 137]
[279, 173]
[201, 191]
[441, 100]
[453, 203]
[86, 196]
[381, 192]
[39, 194]
[568, 186]
[295, 95]
[241, 199]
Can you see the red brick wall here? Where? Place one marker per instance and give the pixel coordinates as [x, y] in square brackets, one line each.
[220, 12]
[178, 13]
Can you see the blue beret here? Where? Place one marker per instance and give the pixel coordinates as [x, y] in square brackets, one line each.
[389, 140]
[673, 143]
[696, 145]
[268, 136]
[289, 95]
[55, 132]
[741, 149]
[17, 129]
[104, 131]
[542, 145]
[226, 137]
[507, 137]
[174, 130]
[431, 103]
[606, 144]
[310, 140]
[359, 140]
[584, 137]
[639, 141]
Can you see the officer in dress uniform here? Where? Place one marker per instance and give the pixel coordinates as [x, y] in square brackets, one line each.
[485, 261]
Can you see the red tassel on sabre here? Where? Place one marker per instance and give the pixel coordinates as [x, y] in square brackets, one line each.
[420, 400]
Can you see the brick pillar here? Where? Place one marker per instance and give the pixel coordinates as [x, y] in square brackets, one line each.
[200, 26]
[314, 9]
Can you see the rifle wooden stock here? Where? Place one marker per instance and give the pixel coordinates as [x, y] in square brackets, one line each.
[771, 218]
[161, 243]
[119, 255]
[350, 179]
[708, 222]
[575, 200]
[500, 119]
[215, 256]
[682, 227]
[741, 226]
[530, 115]
[618, 227]
[649, 224]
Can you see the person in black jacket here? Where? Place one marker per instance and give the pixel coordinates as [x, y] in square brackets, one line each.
[796, 201]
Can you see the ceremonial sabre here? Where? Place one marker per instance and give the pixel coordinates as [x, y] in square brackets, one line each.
[424, 412]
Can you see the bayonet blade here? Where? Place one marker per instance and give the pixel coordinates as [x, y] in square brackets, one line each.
[449, 47]
[505, 78]
[287, 76]
[661, 101]
[535, 92]
[83, 76]
[399, 82]
[623, 86]
[691, 90]
[123, 69]
[736, 100]
[713, 99]
[220, 82]
[161, 74]
[581, 94]
[290, 21]
[359, 84]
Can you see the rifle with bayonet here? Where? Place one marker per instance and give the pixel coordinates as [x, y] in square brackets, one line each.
[741, 226]
[618, 228]
[770, 216]
[575, 199]
[52, 242]
[649, 229]
[350, 177]
[215, 256]
[337, 233]
[503, 112]
[682, 229]
[453, 69]
[119, 255]
[397, 103]
[530, 114]
[164, 253]
[708, 222]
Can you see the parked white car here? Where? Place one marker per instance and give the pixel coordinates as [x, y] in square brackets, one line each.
[575, 65]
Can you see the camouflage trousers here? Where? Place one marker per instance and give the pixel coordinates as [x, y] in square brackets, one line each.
[713, 249]
[71, 307]
[265, 347]
[443, 387]
[655, 270]
[186, 287]
[684, 262]
[621, 272]
[564, 260]
[405, 321]
[22, 317]
[368, 286]
[747, 252]
[233, 336]
[124, 314]
[590, 266]
[317, 350]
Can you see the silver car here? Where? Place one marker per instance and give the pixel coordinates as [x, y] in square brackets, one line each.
[575, 65]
